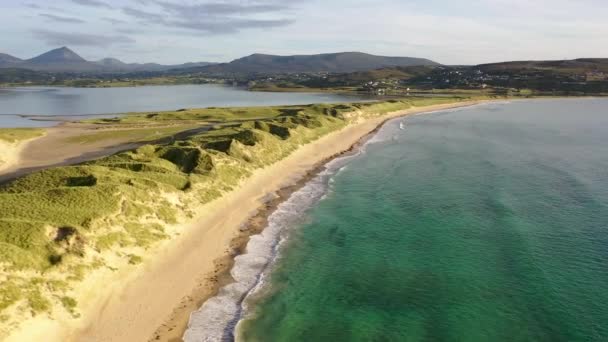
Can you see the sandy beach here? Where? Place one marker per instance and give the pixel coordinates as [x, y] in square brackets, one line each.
[153, 301]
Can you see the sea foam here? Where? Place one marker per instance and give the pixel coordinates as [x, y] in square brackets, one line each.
[218, 316]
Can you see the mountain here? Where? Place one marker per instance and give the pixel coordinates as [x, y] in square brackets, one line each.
[112, 63]
[118, 65]
[8, 60]
[342, 62]
[190, 65]
[59, 60]
[57, 56]
[65, 60]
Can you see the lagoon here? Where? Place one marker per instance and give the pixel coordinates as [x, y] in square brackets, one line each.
[45, 106]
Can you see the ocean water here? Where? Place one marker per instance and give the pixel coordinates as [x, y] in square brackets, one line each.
[483, 224]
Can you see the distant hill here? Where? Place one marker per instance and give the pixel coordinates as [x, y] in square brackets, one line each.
[16, 75]
[342, 62]
[579, 66]
[574, 66]
[65, 60]
[8, 60]
[117, 65]
[358, 78]
[112, 63]
[398, 72]
[579, 76]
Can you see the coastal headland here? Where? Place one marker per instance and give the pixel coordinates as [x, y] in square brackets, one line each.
[151, 232]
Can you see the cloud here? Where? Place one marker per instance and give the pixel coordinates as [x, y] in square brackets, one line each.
[114, 21]
[80, 39]
[228, 25]
[130, 30]
[143, 15]
[215, 17]
[92, 3]
[61, 19]
[451, 32]
[220, 8]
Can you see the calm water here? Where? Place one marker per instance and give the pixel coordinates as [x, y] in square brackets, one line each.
[483, 224]
[72, 102]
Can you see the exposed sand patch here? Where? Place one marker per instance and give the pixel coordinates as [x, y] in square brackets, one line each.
[11, 153]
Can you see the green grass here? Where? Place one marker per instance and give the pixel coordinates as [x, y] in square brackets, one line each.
[218, 115]
[131, 135]
[110, 240]
[135, 259]
[119, 83]
[18, 77]
[69, 304]
[58, 221]
[12, 135]
[296, 88]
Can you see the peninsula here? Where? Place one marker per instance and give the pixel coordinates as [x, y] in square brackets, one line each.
[124, 247]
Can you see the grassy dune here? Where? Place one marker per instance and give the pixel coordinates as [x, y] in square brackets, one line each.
[204, 114]
[144, 134]
[10, 139]
[60, 224]
[13, 135]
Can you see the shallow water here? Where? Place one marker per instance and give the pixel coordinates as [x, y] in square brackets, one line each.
[483, 224]
[73, 103]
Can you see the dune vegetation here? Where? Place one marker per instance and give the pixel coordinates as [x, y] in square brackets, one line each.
[60, 224]
[12, 135]
[11, 140]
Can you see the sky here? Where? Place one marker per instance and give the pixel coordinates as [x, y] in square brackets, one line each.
[172, 31]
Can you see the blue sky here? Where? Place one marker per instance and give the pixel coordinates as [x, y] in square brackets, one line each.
[172, 31]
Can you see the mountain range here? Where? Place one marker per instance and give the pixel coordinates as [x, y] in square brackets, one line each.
[65, 60]
[329, 62]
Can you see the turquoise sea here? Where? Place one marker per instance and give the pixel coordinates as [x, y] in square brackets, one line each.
[482, 224]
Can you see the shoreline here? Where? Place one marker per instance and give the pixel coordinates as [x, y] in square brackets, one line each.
[174, 328]
[176, 325]
[258, 225]
[153, 301]
[235, 236]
